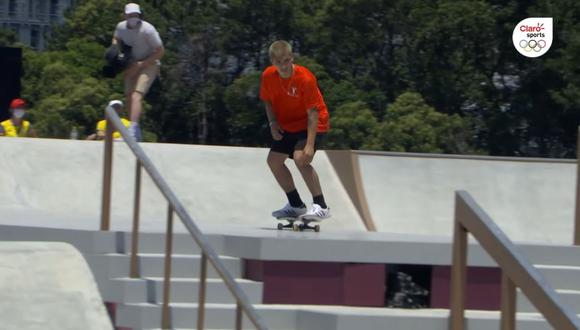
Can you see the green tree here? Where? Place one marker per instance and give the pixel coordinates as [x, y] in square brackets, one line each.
[450, 49]
[365, 53]
[355, 40]
[353, 126]
[411, 125]
[66, 101]
[246, 117]
[335, 92]
[7, 38]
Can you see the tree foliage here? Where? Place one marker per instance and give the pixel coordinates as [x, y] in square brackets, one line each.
[409, 124]
[471, 90]
[354, 127]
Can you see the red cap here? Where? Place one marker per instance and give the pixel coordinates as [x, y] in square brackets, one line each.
[17, 103]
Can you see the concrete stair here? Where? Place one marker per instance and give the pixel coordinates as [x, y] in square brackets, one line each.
[183, 290]
[153, 265]
[220, 316]
[138, 301]
[562, 271]
[564, 279]
[217, 316]
[570, 297]
[154, 243]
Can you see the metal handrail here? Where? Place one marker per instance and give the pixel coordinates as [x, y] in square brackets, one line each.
[175, 206]
[516, 271]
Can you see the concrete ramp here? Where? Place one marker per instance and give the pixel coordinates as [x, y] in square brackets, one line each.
[57, 183]
[48, 286]
[530, 199]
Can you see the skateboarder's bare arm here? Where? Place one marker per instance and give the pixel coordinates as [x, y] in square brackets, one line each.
[310, 137]
[312, 126]
[269, 112]
[274, 126]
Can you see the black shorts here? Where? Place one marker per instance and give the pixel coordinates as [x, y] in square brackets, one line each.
[295, 141]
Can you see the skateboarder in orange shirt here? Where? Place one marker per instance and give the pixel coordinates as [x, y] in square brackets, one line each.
[298, 120]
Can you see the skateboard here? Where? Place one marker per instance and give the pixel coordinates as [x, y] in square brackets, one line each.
[305, 224]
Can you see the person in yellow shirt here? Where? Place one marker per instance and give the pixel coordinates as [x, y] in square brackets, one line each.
[17, 126]
[102, 125]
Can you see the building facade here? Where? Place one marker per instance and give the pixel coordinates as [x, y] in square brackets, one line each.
[32, 19]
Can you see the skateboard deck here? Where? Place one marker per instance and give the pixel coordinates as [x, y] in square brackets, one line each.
[304, 223]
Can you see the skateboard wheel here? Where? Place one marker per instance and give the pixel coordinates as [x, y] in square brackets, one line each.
[280, 226]
[317, 228]
[296, 227]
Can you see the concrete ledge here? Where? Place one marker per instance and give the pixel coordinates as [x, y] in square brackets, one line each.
[84, 240]
[358, 247]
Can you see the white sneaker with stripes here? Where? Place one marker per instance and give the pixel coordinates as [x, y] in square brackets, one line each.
[317, 213]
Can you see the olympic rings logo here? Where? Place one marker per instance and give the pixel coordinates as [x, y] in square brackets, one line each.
[532, 45]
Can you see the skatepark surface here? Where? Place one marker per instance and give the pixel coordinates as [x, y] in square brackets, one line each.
[229, 192]
[48, 286]
[532, 200]
[57, 183]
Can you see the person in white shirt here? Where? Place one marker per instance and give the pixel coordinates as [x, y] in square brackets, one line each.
[146, 52]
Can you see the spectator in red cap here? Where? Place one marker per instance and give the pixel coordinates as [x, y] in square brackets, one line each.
[17, 126]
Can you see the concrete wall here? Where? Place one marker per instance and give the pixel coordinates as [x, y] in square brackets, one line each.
[530, 200]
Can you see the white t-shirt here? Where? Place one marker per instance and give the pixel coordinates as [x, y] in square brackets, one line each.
[144, 39]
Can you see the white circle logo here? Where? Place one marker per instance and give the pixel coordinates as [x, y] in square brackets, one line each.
[533, 36]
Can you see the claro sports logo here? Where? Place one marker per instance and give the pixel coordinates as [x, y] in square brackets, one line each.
[533, 36]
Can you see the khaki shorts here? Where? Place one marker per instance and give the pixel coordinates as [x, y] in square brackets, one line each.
[143, 81]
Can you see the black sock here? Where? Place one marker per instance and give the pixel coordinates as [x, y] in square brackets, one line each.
[294, 199]
[320, 201]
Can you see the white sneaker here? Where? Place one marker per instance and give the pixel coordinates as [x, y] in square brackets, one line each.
[289, 211]
[317, 213]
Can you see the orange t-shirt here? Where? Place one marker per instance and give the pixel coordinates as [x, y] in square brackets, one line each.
[292, 97]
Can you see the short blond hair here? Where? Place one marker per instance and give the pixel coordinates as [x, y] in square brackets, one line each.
[279, 47]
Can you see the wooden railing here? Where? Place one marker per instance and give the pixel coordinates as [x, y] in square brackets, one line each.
[517, 271]
[174, 206]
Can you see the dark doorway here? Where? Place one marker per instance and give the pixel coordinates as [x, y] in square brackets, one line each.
[11, 68]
